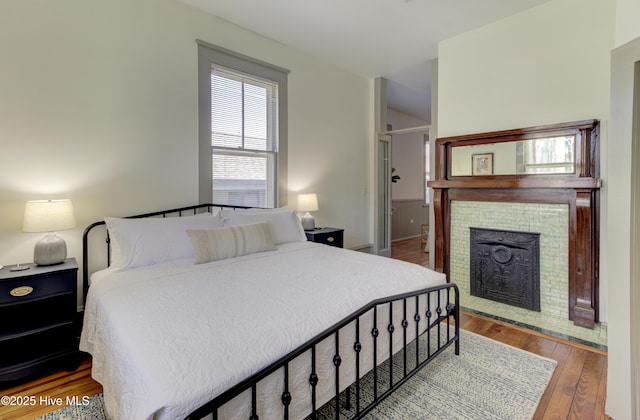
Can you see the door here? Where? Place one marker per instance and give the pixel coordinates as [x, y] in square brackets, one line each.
[383, 196]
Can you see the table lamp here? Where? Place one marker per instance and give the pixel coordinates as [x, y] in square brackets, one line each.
[49, 216]
[307, 203]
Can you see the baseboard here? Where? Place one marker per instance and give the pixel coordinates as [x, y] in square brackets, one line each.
[406, 237]
[367, 248]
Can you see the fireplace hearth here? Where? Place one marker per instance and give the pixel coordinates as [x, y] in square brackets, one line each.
[505, 267]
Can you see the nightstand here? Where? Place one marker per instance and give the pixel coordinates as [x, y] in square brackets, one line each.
[38, 309]
[326, 235]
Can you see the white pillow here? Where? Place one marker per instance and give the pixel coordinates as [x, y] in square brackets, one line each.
[285, 225]
[229, 242]
[140, 242]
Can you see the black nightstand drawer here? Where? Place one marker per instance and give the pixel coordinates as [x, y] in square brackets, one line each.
[37, 314]
[327, 235]
[40, 286]
[38, 344]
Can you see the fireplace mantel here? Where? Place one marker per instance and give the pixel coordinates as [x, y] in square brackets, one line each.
[579, 189]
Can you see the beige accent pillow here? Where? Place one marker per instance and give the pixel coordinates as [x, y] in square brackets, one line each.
[229, 242]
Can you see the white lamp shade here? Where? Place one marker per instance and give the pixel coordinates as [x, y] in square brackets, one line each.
[48, 216]
[307, 202]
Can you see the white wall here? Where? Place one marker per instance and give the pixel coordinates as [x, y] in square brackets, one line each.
[627, 15]
[407, 156]
[99, 104]
[535, 68]
[528, 70]
[546, 65]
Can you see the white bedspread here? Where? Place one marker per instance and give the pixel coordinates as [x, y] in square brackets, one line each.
[166, 339]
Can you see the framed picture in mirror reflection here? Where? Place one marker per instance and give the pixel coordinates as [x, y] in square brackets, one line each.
[482, 164]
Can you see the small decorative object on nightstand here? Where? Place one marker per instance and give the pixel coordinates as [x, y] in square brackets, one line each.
[326, 235]
[38, 309]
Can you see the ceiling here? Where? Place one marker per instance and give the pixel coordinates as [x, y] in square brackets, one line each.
[395, 39]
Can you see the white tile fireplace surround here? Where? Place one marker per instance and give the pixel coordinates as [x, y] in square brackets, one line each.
[552, 222]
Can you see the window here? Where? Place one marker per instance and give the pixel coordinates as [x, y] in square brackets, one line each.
[242, 129]
[549, 155]
[244, 138]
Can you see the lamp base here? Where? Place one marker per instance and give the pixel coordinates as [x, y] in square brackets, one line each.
[50, 250]
[308, 222]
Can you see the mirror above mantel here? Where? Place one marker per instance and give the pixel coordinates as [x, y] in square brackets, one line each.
[564, 155]
[545, 155]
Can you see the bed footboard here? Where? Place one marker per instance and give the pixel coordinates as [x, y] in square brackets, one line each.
[352, 366]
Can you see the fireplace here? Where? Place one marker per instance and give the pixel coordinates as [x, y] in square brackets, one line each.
[505, 267]
[510, 181]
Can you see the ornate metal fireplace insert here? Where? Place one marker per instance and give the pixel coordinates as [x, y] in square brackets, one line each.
[505, 267]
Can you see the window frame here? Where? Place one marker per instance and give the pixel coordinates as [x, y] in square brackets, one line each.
[209, 54]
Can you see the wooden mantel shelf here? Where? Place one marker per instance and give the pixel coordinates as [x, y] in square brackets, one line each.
[507, 182]
[579, 190]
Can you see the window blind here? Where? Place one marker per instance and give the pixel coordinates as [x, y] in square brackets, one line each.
[244, 138]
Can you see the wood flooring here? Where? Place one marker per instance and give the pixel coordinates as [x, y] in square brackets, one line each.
[47, 390]
[577, 389]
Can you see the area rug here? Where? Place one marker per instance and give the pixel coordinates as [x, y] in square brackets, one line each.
[488, 380]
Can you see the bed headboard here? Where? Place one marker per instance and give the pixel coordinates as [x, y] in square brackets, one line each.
[179, 212]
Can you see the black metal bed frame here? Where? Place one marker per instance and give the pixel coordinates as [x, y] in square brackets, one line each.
[446, 308]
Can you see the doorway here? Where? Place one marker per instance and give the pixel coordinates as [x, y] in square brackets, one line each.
[623, 233]
[409, 201]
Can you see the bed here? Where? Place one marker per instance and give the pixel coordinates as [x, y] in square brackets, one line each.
[182, 325]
